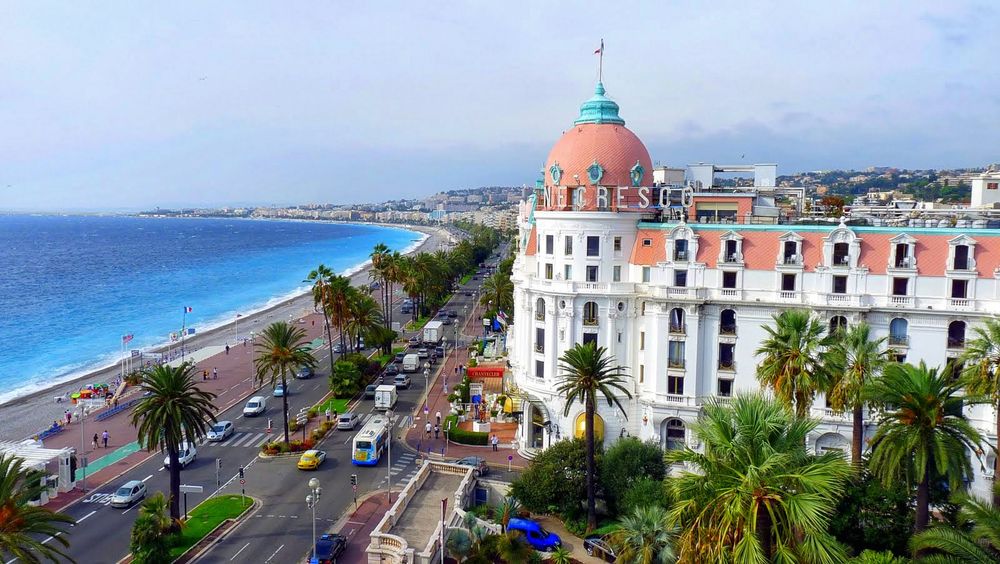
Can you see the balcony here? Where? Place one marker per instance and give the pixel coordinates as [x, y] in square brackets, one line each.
[675, 363]
[676, 329]
[901, 301]
[789, 296]
[956, 342]
[727, 365]
[842, 261]
[904, 262]
[960, 303]
[727, 330]
[838, 299]
[540, 316]
[792, 260]
[680, 256]
[733, 258]
[675, 398]
[539, 348]
[729, 293]
[899, 340]
[590, 321]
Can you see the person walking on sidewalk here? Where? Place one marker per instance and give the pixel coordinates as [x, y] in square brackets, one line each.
[437, 430]
[427, 429]
[494, 441]
[227, 348]
[215, 373]
[95, 440]
[438, 416]
[105, 436]
[204, 374]
[327, 414]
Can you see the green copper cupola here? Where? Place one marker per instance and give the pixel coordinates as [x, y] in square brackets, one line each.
[599, 109]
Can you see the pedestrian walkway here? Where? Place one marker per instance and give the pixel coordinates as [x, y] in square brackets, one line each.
[251, 439]
[115, 455]
[359, 525]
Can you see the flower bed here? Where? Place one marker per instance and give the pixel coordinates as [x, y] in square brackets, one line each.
[462, 436]
[280, 447]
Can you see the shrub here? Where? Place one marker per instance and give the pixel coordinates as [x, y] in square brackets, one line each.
[299, 446]
[626, 462]
[317, 434]
[313, 411]
[641, 493]
[555, 481]
[346, 379]
[872, 516]
[462, 436]
[293, 425]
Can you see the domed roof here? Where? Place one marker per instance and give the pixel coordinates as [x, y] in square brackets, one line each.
[598, 150]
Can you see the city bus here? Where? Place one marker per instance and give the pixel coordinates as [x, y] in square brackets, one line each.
[370, 442]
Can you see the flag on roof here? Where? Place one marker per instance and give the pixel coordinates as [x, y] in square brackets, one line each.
[127, 338]
[188, 309]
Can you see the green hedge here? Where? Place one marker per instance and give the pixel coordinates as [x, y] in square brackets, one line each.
[462, 436]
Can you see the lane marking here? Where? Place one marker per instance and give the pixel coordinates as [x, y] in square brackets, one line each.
[239, 551]
[273, 554]
[147, 477]
[81, 519]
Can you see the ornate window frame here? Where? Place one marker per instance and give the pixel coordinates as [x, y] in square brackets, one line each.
[595, 172]
[911, 253]
[842, 234]
[682, 232]
[731, 236]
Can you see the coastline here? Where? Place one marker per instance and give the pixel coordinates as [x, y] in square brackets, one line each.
[25, 415]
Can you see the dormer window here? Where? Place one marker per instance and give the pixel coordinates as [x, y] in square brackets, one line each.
[840, 257]
[791, 254]
[902, 252]
[731, 249]
[682, 244]
[961, 257]
[961, 254]
[681, 250]
[790, 250]
[841, 248]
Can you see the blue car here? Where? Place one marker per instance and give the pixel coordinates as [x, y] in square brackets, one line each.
[537, 537]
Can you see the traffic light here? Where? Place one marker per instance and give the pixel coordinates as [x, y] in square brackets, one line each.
[354, 479]
[241, 472]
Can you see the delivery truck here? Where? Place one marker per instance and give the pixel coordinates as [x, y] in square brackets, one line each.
[385, 397]
[411, 362]
[433, 332]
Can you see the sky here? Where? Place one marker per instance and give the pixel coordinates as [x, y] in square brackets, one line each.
[133, 105]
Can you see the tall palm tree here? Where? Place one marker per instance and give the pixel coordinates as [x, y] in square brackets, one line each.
[645, 537]
[982, 376]
[792, 364]
[281, 350]
[340, 290]
[23, 526]
[393, 273]
[978, 542]
[756, 494]
[363, 317]
[588, 375]
[853, 360]
[322, 298]
[498, 290]
[172, 410]
[922, 434]
[149, 541]
[379, 272]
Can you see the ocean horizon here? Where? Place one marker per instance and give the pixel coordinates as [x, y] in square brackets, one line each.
[72, 285]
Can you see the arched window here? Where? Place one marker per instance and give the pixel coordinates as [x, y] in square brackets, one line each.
[727, 322]
[580, 427]
[898, 329]
[838, 323]
[590, 313]
[540, 309]
[956, 335]
[677, 320]
[672, 433]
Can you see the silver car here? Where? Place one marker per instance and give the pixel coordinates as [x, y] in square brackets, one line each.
[130, 492]
[348, 421]
[221, 431]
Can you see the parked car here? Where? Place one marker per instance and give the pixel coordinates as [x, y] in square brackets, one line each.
[537, 537]
[130, 492]
[329, 547]
[305, 372]
[370, 391]
[185, 455]
[392, 369]
[255, 406]
[480, 468]
[348, 421]
[311, 459]
[221, 431]
[422, 353]
[402, 381]
[280, 391]
[597, 546]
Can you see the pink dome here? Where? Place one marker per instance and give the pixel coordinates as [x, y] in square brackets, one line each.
[616, 149]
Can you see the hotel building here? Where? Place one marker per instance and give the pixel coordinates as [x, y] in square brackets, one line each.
[676, 271]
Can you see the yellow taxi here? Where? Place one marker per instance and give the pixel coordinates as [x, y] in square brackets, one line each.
[311, 459]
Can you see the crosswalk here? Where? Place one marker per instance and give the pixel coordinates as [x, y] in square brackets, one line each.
[248, 439]
[403, 469]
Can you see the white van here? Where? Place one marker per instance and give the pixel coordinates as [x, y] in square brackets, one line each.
[256, 406]
[185, 455]
[411, 362]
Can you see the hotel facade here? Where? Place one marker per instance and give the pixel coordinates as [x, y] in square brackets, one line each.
[677, 271]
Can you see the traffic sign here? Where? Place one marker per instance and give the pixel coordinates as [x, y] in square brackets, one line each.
[355, 488]
[243, 482]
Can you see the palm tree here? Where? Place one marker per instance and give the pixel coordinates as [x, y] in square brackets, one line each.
[149, 540]
[756, 494]
[498, 292]
[588, 373]
[508, 509]
[922, 434]
[977, 543]
[792, 365]
[379, 272]
[982, 376]
[872, 557]
[22, 525]
[363, 317]
[853, 360]
[321, 296]
[172, 410]
[511, 547]
[645, 537]
[280, 352]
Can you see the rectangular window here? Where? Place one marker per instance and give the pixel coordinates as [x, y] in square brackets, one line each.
[642, 340]
[616, 274]
[647, 242]
[593, 246]
[539, 369]
[961, 257]
[902, 255]
[539, 339]
[549, 243]
[728, 279]
[787, 282]
[645, 274]
[618, 244]
[681, 278]
[642, 373]
[568, 272]
[590, 338]
[960, 288]
[725, 388]
[675, 385]
[992, 185]
[591, 274]
[899, 286]
[731, 250]
[675, 354]
[789, 252]
[839, 284]
[548, 271]
[681, 249]
[568, 245]
[727, 355]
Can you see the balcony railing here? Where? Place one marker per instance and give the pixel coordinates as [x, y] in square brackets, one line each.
[729, 293]
[540, 316]
[901, 301]
[788, 295]
[733, 258]
[956, 342]
[676, 398]
[590, 321]
[899, 340]
[675, 363]
[680, 255]
[842, 261]
[676, 329]
[539, 348]
[727, 365]
[792, 260]
[962, 303]
[727, 330]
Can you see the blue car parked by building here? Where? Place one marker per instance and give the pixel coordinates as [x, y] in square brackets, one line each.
[537, 537]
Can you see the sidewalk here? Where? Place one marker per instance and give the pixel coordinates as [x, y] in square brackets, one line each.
[359, 526]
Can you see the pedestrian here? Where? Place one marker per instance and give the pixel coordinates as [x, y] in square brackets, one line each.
[438, 417]
[227, 348]
[204, 374]
[95, 440]
[69, 417]
[495, 441]
[328, 414]
[105, 436]
[437, 430]
[427, 429]
[116, 401]
[215, 373]
[456, 371]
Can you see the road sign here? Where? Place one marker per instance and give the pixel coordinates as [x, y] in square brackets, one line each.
[243, 482]
[510, 458]
[191, 489]
[355, 488]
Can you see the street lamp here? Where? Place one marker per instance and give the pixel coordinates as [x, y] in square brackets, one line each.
[311, 500]
[388, 467]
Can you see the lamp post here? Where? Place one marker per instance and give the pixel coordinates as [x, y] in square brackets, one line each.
[311, 500]
[388, 467]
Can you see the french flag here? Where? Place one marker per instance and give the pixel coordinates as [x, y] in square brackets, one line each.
[187, 309]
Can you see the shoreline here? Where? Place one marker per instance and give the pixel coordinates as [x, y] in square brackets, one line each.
[39, 405]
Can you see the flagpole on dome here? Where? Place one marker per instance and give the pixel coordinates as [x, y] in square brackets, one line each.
[600, 61]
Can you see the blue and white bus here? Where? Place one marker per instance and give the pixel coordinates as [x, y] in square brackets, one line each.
[370, 442]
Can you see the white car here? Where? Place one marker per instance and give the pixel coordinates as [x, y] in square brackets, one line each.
[221, 431]
[348, 421]
[185, 455]
[256, 406]
[130, 492]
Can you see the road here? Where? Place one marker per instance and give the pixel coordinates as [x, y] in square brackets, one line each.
[280, 531]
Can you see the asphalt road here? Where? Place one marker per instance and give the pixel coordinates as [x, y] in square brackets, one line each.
[280, 531]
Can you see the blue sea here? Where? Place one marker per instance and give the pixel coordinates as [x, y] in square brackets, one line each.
[71, 286]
